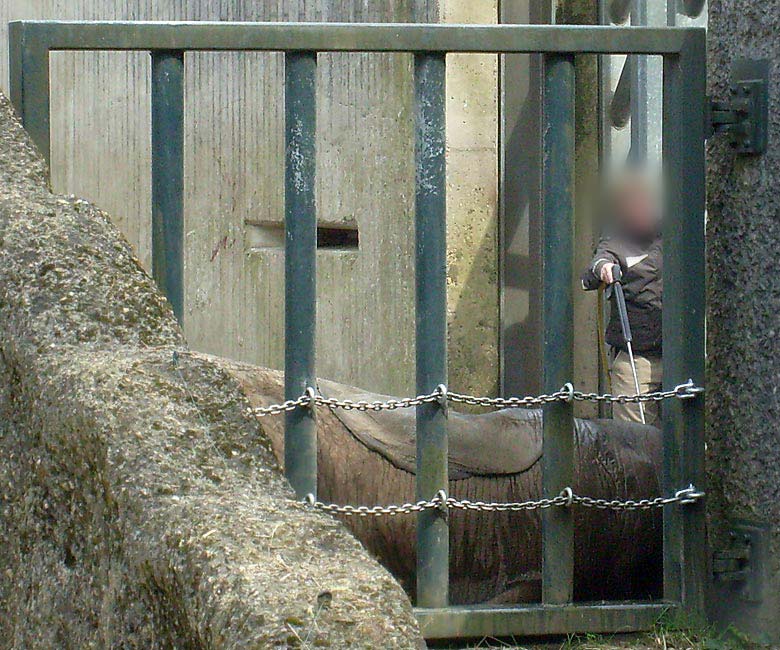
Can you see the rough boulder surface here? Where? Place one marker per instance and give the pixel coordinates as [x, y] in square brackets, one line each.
[140, 506]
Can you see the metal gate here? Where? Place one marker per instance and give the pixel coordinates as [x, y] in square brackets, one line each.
[683, 52]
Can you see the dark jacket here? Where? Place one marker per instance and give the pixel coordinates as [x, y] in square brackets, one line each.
[642, 264]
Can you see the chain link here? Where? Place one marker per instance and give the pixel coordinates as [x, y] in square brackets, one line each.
[683, 497]
[389, 405]
[441, 395]
[683, 391]
[278, 409]
[438, 502]
[565, 499]
[511, 402]
[562, 500]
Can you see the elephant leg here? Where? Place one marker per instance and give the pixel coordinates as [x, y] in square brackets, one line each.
[526, 591]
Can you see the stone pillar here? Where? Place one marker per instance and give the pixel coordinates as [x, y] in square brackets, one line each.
[743, 399]
[472, 207]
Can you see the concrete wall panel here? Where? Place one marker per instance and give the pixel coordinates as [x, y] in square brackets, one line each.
[743, 363]
[472, 207]
[234, 173]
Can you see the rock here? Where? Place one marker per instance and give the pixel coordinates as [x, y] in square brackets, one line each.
[141, 508]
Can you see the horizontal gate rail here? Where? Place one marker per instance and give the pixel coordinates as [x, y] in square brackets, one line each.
[479, 621]
[683, 51]
[352, 37]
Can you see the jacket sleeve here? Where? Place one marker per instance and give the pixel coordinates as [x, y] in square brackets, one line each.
[605, 254]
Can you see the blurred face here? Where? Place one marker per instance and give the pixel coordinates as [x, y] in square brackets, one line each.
[635, 207]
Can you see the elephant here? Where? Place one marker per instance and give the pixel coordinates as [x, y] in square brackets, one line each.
[368, 458]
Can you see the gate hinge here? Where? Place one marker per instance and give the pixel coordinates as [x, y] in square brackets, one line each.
[731, 563]
[738, 567]
[744, 117]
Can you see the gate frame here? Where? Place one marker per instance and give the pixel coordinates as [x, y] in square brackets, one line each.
[683, 52]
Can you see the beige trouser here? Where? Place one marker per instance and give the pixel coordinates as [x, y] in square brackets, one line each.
[649, 371]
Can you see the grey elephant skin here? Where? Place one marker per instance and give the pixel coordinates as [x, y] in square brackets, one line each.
[369, 459]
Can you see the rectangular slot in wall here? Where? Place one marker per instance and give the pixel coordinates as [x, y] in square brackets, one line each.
[341, 236]
[337, 237]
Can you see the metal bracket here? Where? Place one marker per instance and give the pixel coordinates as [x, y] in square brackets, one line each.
[744, 117]
[738, 568]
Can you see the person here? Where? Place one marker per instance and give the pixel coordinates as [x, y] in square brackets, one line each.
[635, 246]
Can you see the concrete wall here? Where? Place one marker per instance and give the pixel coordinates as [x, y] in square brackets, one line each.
[472, 207]
[520, 208]
[234, 172]
[647, 78]
[743, 401]
[521, 227]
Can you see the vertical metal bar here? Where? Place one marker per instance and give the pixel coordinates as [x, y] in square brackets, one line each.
[558, 251]
[431, 283]
[638, 151]
[168, 176]
[300, 308]
[29, 79]
[605, 100]
[16, 38]
[683, 327]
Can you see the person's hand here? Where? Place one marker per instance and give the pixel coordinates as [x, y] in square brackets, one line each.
[606, 274]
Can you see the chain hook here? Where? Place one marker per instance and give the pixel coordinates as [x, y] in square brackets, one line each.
[568, 494]
[442, 398]
[442, 500]
[568, 389]
[687, 390]
[688, 495]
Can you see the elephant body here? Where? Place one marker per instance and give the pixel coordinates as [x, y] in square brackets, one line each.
[368, 459]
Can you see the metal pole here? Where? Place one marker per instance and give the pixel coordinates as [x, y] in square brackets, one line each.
[300, 262]
[558, 347]
[29, 80]
[168, 176]
[431, 283]
[685, 562]
[638, 70]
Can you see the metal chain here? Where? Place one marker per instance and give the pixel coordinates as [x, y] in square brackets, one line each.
[437, 502]
[389, 405]
[686, 496]
[683, 391]
[442, 396]
[441, 501]
[562, 500]
[289, 405]
[566, 498]
[511, 402]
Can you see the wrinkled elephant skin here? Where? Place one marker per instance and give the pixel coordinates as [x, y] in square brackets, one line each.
[368, 459]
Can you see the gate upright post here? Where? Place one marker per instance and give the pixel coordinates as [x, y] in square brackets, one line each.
[168, 176]
[558, 314]
[300, 268]
[28, 64]
[431, 310]
[685, 560]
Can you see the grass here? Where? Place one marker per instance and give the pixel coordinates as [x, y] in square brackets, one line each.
[666, 635]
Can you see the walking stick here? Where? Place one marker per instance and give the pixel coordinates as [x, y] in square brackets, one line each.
[620, 301]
